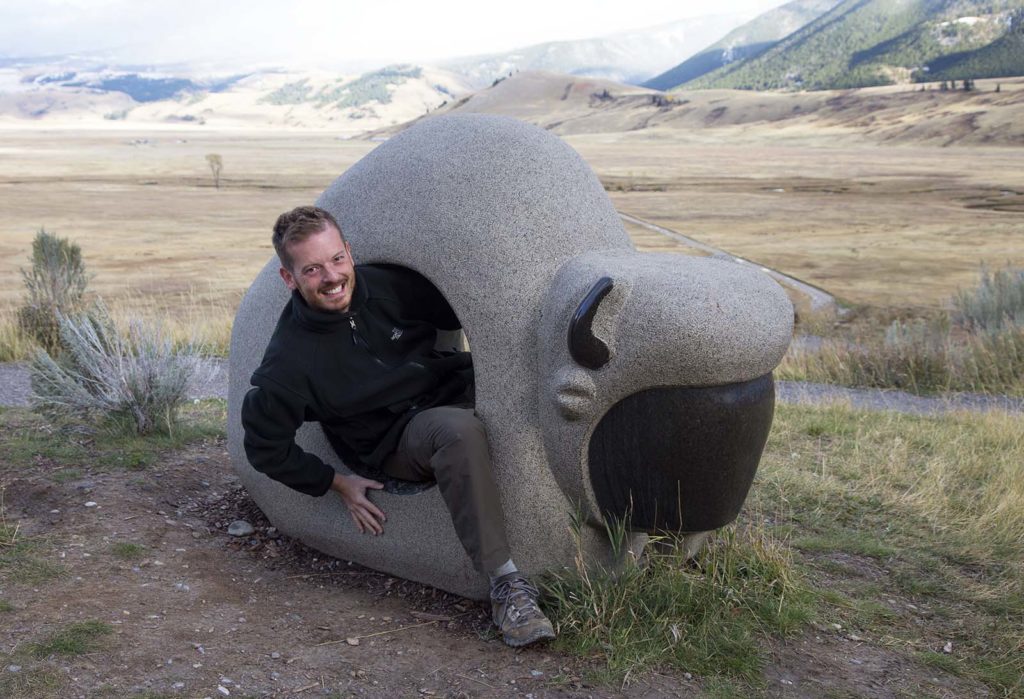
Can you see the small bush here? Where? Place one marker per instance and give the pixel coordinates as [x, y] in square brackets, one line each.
[56, 283]
[137, 378]
[996, 304]
[978, 347]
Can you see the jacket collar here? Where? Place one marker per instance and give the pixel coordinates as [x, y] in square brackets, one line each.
[327, 321]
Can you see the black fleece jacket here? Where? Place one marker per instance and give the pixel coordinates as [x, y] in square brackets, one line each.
[362, 375]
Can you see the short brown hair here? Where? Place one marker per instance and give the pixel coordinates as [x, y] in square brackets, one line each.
[298, 224]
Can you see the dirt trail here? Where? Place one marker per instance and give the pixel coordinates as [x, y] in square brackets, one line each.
[258, 616]
[199, 613]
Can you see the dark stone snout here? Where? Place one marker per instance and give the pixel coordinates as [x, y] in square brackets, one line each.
[680, 459]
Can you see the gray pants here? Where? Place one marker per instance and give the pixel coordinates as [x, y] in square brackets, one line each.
[448, 444]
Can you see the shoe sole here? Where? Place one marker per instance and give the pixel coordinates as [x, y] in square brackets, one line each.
[541, 634]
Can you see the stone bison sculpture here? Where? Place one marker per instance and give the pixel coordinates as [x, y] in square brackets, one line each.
[614, 384]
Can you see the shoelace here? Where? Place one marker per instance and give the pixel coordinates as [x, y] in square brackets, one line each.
[519, 598]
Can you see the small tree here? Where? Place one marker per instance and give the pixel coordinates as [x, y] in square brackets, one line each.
[215, 163]
[56, 284]
[998, 88]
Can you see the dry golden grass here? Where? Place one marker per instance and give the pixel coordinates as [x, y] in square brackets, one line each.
[873, 224]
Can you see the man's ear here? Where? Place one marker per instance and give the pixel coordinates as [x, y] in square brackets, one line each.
[289, 280]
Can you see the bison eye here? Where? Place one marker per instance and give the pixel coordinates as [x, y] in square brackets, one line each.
[585, 348]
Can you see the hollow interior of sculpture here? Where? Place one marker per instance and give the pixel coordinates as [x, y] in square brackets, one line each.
[680, 459]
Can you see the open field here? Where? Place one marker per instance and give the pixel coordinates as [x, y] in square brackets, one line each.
[903, 226]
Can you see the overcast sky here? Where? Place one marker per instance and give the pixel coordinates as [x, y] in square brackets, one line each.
[330, 33]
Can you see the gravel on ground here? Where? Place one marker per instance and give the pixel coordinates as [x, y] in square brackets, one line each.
[15, 391]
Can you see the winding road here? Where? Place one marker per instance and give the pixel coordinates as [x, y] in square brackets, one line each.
[819, 298]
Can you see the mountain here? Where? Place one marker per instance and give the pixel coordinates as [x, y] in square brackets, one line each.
[626, 57]
[78, 93]
[571, 105]
[746, 41]
[881, 42]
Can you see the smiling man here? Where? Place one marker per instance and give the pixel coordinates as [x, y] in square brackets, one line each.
[354, 351]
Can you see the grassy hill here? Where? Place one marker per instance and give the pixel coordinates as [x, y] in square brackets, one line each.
[744, 42]
[882, 42]
[568, 105]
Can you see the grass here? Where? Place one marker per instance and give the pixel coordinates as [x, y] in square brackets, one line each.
[19, 562]
[189, 319]
[710, 616]
[33, 683]
[31, 439]
[127, 550]
[75, 639]
[928, 511]
[978, 346]
[6, 606]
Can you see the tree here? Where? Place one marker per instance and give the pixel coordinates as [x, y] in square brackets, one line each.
[216, 164]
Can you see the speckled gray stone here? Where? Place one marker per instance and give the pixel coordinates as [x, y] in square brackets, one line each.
[514, 228]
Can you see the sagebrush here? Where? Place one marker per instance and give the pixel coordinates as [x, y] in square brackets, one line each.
[56, 283]
[136, 377]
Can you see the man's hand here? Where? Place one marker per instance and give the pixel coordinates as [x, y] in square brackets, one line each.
[366, 515]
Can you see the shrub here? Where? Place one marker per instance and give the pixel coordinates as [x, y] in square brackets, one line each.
[996, 304]
[977, 347]
[138, 377]
[56, 284]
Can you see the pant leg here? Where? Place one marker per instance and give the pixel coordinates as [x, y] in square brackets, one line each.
[448, 444]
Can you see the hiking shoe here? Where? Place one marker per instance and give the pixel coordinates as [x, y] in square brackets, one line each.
[515, 611]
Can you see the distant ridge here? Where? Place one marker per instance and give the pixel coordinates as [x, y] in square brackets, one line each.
[744, 42]
[860, 43]
[625, 57]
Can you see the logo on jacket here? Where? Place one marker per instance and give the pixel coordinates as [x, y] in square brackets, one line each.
[396, 333]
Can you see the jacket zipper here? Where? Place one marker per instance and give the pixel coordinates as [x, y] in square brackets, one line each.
[358, 340]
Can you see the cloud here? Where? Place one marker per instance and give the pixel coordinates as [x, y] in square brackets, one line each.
[324, 32]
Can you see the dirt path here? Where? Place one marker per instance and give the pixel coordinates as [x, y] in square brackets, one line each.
[197, 610]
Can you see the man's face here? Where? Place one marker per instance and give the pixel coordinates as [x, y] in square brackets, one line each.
[322, 271]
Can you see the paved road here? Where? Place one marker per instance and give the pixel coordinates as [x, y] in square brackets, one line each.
[819, 299]
[15, 391]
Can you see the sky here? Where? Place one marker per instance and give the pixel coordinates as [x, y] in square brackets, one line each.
[326, 33]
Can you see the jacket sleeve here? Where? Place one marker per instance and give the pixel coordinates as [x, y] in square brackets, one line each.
[271, 415]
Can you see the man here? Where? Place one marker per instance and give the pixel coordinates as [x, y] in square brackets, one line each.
[354, 351]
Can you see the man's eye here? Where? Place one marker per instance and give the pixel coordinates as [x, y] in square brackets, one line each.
[310, 270]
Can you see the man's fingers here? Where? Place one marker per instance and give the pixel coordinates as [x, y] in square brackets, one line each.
[355, 518]
[373, 509]
[376, 485]
[371, 522]
[366, 520]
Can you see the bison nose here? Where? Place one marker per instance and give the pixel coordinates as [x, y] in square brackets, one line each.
[680, 459]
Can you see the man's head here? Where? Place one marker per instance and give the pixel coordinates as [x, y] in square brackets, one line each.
[315, 259]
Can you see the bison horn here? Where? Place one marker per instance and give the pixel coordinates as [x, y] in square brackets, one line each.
[585, 348]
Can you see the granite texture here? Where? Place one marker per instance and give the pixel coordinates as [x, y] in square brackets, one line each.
[514, 228]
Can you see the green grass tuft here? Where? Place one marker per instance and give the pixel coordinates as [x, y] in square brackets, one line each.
[74, 639]
[70, 449]
[709, 616]
[6, 606]
[128, 551]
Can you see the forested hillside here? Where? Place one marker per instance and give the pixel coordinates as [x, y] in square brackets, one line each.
[862, 43]
[744, 42]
